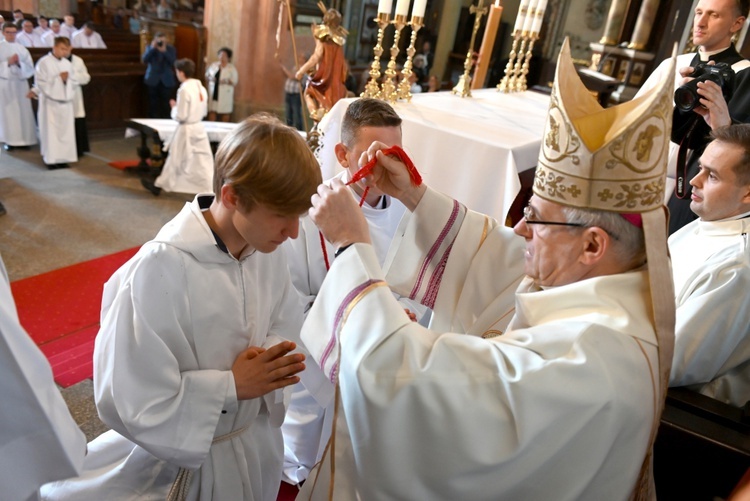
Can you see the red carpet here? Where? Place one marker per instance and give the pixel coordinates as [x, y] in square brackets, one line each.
[60, 311]
[124, 164]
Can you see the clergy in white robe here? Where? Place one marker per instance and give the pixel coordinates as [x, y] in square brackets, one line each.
[711, 266]
[87, 38]
[189, 167]
[68, 27]
[42, 26]
[48, 38]
[17, 125]
[565, 403]
[39, 440]
[81, 77]
[180, 372]
[55, 81]
[28, 37]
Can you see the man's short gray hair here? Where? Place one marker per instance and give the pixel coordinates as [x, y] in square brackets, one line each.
[628, 241]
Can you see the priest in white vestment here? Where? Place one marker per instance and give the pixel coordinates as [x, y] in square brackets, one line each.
[48, 38]
[189, 167]
[55, 81]
[190, 361]
[17, 125]
[564, 404]
[39, 440]
[87, 38]
[711, 266]
[307, 425]
[28, 37]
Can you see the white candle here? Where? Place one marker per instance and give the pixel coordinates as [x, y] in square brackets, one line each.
[521, 17]
[536, 27]
[402, 7]
[418, 9]
[385, 6]
[529, 19]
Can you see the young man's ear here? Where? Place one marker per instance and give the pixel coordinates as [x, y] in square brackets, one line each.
[229, 196]
[341, 152]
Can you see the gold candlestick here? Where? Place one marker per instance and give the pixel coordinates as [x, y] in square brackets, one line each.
[404, 87]
[520, 84]
[389, 87]
[464, 83]
[516, 73]
[372, 89]
[504, 85]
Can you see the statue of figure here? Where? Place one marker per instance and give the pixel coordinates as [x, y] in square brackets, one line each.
[326, 86]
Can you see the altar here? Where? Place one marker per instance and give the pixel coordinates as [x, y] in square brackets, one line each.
[469, 148]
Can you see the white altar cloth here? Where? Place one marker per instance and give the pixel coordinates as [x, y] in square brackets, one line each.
[165, 127]
[469, 148]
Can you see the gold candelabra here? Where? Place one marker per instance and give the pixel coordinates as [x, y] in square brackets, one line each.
[521, 79]
[463, 88]
[372, 89]
[404, 87]
[389, 92]
[505, 84]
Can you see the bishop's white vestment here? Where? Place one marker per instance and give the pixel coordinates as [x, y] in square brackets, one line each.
[189, 167]
[711, 267]
[308, 421]
[17, 125]
[56, 112]
[39, 440]
[174, 319]
[560, 406]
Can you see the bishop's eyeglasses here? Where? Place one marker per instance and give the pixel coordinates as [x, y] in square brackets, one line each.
[528, 215]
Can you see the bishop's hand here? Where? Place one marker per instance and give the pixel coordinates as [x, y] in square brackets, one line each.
[391, 176]
[338, 216]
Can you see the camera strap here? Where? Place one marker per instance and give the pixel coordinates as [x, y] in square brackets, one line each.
[680, 189]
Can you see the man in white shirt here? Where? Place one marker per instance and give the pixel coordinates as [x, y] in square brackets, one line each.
[27, 37]
[711, 267]
[42, 26]
[18, 18]
[87, 38]
[68, 27]
[307, 426]
[56, 85]
[48, 39]
[17, 125]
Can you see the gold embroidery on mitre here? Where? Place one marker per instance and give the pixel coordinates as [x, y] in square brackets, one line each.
[603, 158]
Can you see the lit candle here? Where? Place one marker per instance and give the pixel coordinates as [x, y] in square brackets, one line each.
[529, 19]
[385, 6]
[419, 8]
[402, 8]
[488, 42]
[536, 27]
[521, 17]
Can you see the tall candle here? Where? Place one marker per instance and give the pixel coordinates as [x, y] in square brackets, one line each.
[385, 6]
[529, 19]
[488, 42]
[536, 27]
[418, 9]
[521, 17]
[402, 8]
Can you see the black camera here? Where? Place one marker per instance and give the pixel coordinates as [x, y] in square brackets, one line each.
[686, 97]
[160, 43]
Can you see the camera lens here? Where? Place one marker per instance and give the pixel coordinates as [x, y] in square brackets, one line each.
[685, 98]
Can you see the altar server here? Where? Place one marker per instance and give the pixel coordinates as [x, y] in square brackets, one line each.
[190, 361]
[56, 85]
[17, 126]
[189, 167]
[39, 440]
[711, 265]
[563, 404]
[308, 423]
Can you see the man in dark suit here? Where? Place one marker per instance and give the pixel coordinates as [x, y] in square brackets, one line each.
[160, 79]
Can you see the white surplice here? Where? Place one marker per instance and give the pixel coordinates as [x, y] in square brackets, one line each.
[711, 267]
[81, 77]
[189, 167]
[307, 425]
[39, 440]
[56, 113]
[29, 39]
[558, 407]
[81, 41]
[174, 319]
[17, 125]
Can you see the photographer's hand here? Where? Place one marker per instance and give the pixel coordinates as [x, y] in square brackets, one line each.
[713, 109]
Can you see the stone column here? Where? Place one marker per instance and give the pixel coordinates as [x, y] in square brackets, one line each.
[446, 36]
[644, 24]
[615, 20]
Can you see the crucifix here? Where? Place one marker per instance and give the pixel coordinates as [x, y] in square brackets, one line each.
[463, 88]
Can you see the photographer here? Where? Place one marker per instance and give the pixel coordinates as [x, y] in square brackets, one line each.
[715, 22]
[159, 79]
